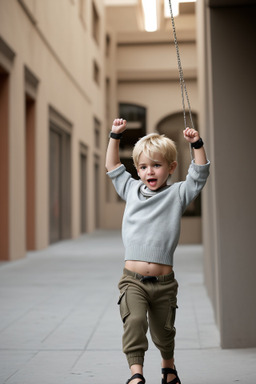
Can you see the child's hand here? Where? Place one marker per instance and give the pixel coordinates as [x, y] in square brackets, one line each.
[191, 135]
[119, 125]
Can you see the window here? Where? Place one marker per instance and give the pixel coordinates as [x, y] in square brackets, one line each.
[107, 98]
[95, 24]
[96, 73]
[136, 128]
[96, 133]
[108, 45]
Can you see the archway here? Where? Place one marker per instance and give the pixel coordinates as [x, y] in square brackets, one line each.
[172, 126]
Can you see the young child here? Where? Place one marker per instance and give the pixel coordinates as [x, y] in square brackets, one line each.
[150, 231]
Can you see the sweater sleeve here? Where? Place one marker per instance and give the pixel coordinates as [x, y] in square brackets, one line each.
[194, 183]
[122, 181]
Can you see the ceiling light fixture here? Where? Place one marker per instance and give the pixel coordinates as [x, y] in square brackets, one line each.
[150, 15]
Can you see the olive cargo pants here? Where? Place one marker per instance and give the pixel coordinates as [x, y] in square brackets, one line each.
[147, 301]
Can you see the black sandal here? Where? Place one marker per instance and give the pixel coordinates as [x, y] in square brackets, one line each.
[137, 376]
[165, 372]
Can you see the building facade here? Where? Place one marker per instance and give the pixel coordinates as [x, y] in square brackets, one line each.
[52, 121]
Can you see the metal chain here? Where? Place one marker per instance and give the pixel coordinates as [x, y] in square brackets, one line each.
[181, 77]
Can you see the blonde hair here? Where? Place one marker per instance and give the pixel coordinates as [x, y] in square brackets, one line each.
[155, 143]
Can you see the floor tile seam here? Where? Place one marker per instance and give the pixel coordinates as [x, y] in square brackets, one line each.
[34, 306]
[100, 318]
[63, 319]
[197, 319]
[21, 368]
[17, 319]
[98, 322]
[37, 305]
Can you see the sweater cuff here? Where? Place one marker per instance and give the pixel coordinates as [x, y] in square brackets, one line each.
[198, 171]
[116, 172]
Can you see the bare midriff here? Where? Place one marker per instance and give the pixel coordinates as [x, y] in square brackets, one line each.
[148, 269]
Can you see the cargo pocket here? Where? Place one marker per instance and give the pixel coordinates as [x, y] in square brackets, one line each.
[123, 306]
[169, 325]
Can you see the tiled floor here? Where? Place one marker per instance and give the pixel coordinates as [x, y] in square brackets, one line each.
[59, 321]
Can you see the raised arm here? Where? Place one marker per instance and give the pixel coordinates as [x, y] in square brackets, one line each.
[112, 156]
[192, 136]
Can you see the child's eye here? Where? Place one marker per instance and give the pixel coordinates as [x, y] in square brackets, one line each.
[157, 165]
[143, 167]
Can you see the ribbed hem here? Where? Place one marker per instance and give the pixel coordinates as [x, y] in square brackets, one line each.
[199, 172]
[148, 254]
[116, 172]
[135, 358]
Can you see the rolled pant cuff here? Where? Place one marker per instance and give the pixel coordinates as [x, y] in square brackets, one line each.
[135, 358]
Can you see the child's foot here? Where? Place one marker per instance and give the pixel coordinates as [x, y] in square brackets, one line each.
[136, 379]
[170, 376]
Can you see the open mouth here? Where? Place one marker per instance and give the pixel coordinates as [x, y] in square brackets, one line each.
[152, 182]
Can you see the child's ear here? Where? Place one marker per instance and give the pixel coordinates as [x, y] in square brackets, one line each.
[172, 168]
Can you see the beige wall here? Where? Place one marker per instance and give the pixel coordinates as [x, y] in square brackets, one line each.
[56, 45]
[227, 73]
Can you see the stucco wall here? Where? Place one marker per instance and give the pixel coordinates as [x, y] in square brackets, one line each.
[227, 71]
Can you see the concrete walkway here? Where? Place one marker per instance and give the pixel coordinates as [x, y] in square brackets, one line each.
[59, 320]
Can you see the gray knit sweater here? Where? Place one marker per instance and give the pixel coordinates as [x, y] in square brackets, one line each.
[151, 226]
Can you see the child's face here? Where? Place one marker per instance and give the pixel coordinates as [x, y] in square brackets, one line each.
[154, 173]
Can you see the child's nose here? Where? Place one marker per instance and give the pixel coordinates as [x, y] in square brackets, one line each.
[150, 170]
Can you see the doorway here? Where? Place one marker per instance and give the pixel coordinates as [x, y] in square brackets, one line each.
[97, 191]
[83, 188]
[4, 165]
[30, 107]
[60, 181]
